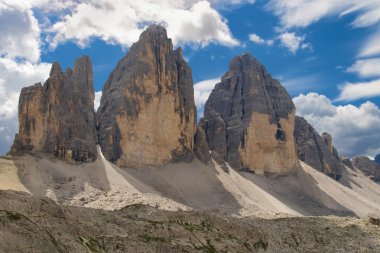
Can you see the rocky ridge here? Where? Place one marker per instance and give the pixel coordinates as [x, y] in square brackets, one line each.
[58, 118]
[32, 224]
[315, 150]
[249, 119]
[368, 166]
[147, 114]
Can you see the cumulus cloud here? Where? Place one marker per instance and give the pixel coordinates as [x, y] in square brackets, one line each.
[292, 42]
[314, 104]
[187, 22]
[19, 32]
[202, 91]
[354, 91]
[354, 129]
[302, 13]
[258, 40]
[98, 96]
[14, 76]
[366, 67]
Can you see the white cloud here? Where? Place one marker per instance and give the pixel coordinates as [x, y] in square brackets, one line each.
[314, 104]
[302, 13]
[14, 76]
[355, 130]
[291, 41]
[193, 22]
[354, 91]
[371, 46]
[98, 96]
[366, 67]
[202, 91]
[19, 32]
[258, 40]
[224, 4]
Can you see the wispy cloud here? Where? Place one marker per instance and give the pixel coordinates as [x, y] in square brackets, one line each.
[355, 91]
[366, 67]
[302, 13]
[371, 46]
[303, 83]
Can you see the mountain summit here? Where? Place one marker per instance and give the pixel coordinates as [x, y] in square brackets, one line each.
[147, 114]
[58, 118]
[249, 119]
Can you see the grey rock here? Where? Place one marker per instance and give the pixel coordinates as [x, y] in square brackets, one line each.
[58, 118]
[347, 161]
[368, 167]
[201, 149]
[147, 115]
[32, 224]
[315, 150]
[249, 119]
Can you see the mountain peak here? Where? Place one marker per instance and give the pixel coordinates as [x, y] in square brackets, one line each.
[154, 32]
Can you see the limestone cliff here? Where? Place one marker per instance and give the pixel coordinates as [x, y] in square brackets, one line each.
[315, 150]
[249, 119]
[58, 118]
[201, 148]
[147, 114]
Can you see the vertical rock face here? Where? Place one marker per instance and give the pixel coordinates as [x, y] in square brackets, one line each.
[369, 167]
[315, 150]
[326, 137]
[147, 114]
[58, 118]
[201, 149]
[249, 119]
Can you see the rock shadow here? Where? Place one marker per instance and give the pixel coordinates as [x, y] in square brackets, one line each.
[193, 184]
[47, 176]
[300, 191]
[346, 178]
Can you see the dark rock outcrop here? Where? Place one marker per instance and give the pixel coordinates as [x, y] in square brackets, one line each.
[326, 137]
[315, 150]
[201, 149]
[368, 167]
[347, 161]
[147, 114]
[58, 118]
[249, 119]
[32, 224]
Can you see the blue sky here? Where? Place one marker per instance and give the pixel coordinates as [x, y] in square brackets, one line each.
[325, 52]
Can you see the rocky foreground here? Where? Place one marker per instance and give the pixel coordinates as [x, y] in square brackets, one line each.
[32, 224]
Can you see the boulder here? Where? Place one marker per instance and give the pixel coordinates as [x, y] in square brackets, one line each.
[147, 115]
[249, 119]
[58, 117]
[315, 150]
